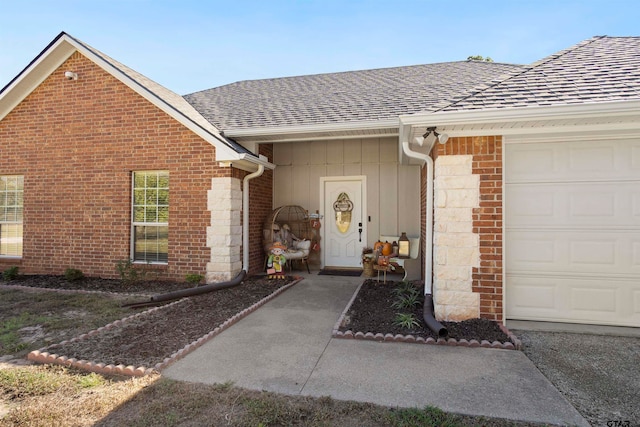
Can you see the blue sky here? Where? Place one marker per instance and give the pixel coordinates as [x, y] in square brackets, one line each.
[189, 45]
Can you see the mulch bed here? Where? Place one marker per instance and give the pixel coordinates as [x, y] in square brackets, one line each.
[371, 312]
[96, 284]
[151, 337]
[158, 336]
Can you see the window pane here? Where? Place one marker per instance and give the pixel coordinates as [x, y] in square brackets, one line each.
[10, 214]
[150, 207]
[163, 180]
[152, 180]
[11, 201]
[152, 197]
[138, 214]
[11, 239]
[139, 180]
[163, 214]
[138, 197]
[151, 214]
[163, 197]
[151, 244]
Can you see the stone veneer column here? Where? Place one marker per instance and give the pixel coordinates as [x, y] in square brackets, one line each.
[224, 236]
[456, 246]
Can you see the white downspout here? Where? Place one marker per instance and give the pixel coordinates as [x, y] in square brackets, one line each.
[428, 258]
[245, 216]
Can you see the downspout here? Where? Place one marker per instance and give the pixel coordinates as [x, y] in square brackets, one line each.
[428, 258]
[245, 216]
[428, 314]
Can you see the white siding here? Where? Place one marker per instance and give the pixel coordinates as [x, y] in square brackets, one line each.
[393, 190]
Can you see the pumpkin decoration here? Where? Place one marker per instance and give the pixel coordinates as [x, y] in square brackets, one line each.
[387, 248]
[377, 247]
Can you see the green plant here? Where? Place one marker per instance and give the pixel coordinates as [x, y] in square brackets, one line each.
[405, 288]
[72, 274]
[10, 273]
[406, 320]
[194, 279]
[428, 417]
[129, 273]
[406, 301]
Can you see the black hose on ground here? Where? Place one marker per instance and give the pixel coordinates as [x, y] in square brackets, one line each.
[169, 296]
[429, 318]
[200, 289]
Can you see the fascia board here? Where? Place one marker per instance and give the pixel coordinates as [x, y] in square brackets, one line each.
[316, 128]
[245, 158]
[498, 116]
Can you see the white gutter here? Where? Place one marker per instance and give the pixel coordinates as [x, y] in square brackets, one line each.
[363, 125]
[428, 257]
[520, 114]
[245, 216]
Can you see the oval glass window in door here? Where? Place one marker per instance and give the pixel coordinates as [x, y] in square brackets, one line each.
[343, 207]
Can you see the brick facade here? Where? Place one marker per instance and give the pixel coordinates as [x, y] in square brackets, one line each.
[76, 142]
[486, 218]
[260, 207]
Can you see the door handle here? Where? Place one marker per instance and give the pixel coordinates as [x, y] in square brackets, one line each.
[360, 232]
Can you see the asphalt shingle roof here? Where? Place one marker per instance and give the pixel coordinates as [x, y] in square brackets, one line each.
[599, 69]
[353, 96]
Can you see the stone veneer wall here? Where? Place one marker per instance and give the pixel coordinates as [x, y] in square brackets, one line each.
[456, 246]
[224, 235]
[463, 166]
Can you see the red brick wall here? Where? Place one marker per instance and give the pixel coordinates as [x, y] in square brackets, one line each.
[77, 143]
[260, 206]
[487, 218]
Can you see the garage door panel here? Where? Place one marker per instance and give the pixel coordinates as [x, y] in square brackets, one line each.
[573, 252]
[565, 299]
[573, 161]
[562, 205]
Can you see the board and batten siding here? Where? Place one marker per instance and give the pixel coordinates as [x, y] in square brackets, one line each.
[393, 190]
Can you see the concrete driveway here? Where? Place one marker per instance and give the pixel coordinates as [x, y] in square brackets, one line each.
[594, 367]
[286, 347]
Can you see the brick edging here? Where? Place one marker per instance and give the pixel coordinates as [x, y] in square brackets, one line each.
[45, 357]
[515, 343]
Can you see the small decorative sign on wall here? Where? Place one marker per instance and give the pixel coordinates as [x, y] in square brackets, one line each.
[343, 207]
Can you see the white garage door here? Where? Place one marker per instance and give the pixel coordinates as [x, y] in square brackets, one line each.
[572, 242]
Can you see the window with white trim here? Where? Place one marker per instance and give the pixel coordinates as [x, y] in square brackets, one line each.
[11, 207]
[150, 215]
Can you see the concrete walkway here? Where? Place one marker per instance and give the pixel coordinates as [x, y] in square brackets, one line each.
[286, 347]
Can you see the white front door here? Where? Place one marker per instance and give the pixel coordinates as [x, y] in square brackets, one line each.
[344, 225]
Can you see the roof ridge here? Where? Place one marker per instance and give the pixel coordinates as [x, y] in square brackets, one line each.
[526, 68]
[363, 70]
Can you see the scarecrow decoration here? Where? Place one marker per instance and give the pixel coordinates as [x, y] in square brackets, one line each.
[276, 261]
